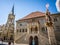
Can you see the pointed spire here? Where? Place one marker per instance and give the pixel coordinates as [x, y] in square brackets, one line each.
[13, 10]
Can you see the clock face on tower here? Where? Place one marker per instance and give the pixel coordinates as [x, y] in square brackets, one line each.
[9, 22]
[12, 16]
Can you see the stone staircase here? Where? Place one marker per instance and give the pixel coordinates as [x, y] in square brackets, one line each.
[24, 39]
[21, 39]
[17, 36]
[46, 38]
[43, 37]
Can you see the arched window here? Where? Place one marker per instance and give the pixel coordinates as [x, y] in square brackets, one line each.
[23, 30]
[4, 37]
[26, 30]
[43, 29]
[55, 19]
[17, 30]
[0, 34]
[20, 24]
[11, 37]
[36, 29]
[31, 30]
[20, 30]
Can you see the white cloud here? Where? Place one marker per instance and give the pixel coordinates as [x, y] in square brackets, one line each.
[58, 5]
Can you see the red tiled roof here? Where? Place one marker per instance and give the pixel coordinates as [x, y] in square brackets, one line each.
[33, 15]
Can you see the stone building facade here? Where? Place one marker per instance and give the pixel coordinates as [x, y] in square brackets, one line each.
[31, 29]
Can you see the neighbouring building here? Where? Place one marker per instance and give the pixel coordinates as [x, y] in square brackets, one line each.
[7, 30]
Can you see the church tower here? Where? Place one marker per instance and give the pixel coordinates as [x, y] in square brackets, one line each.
[10, 25]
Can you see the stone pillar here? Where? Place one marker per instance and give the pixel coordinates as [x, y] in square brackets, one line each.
[51, 35]
[28, 27]
[50, 28]
[38, 26]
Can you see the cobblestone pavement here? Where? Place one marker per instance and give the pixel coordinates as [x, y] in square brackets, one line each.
[6, 43]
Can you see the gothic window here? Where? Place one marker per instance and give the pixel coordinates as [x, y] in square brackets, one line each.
[42, 21]
[36, 29]
[4, 37]
[0, 33]
[23, 30]
[46, 28]
[11, 38]
[17, 30]
[43, 29]
[26, 30]
[20, 24]
[20, 30]
[31, 30]
[57, 28]
[55, 19]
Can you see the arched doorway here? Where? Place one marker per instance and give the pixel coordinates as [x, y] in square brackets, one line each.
[36, 40]
[30, 40]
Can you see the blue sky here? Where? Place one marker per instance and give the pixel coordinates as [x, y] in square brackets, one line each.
[24, 7]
